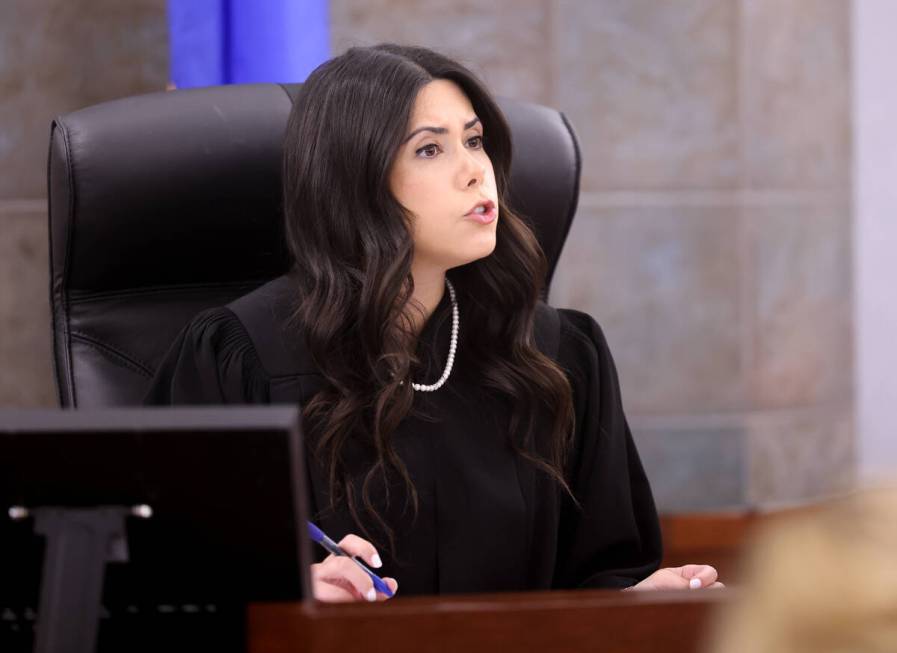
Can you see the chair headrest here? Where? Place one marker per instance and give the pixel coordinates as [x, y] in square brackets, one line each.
[173, 201]
[169, 188]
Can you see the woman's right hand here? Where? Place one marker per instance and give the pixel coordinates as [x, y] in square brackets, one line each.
[338, 579]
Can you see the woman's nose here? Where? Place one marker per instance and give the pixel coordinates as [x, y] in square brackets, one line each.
[473, 171]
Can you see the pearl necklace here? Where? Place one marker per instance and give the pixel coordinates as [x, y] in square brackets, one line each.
[453, 347]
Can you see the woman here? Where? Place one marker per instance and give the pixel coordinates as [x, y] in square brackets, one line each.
[475, 435]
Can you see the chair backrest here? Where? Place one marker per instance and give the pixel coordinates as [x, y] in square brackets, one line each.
[165, 204]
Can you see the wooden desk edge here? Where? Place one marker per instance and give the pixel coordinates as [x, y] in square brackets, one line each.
[560, 621]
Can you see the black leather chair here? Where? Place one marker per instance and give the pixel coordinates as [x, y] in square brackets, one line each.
[165, 204]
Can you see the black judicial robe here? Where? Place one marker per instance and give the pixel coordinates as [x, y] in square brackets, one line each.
[487, 520]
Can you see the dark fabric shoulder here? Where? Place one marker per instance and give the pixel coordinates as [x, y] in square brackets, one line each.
[579, 327]
[547, 329]
[612, 538]
[266, 315]
[245, 352]
[211, 361]
[582, 347]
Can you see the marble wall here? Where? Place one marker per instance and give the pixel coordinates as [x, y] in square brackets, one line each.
[55, 56]
[713, 237]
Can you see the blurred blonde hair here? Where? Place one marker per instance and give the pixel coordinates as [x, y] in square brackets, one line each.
[822, 582]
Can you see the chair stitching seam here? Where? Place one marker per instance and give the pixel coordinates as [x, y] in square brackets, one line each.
[135, 365]
[66, 268]
[574, 203]
[577, 169]
[53, 302]
[152, 290]
[297, 375]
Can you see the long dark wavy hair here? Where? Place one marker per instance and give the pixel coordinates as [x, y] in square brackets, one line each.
[352, 247]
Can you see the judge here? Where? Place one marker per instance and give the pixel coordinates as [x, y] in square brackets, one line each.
[461, 435]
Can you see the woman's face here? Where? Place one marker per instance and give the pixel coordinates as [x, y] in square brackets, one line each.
[443, 176]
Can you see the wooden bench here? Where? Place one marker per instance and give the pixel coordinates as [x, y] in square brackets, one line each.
[604, 621]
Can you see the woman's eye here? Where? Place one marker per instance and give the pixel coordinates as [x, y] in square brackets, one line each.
[428, 151]
[475, 142]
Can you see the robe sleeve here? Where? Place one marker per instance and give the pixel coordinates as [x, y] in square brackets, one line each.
[612, 538]
[212, 361]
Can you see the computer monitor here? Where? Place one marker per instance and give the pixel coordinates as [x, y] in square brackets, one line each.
[224, 490]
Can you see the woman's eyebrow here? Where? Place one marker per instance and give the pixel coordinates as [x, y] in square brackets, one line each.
[439, 130]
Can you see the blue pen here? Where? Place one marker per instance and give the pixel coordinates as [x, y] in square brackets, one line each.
[318, 536]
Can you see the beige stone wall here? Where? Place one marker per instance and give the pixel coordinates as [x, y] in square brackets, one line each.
[55, 56]
[713, 237]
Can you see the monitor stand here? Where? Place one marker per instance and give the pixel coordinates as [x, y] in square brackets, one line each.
[79, 543]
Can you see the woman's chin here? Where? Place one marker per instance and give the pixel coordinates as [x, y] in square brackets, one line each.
[484, 250]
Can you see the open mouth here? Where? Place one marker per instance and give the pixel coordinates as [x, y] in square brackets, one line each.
[483, 212]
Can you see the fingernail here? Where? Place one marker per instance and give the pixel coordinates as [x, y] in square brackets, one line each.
[376, 561]
[371, 595]
[694, 583]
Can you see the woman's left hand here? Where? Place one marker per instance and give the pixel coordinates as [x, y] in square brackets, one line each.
[680, 578]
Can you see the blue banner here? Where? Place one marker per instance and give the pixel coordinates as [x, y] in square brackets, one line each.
[243, 41]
